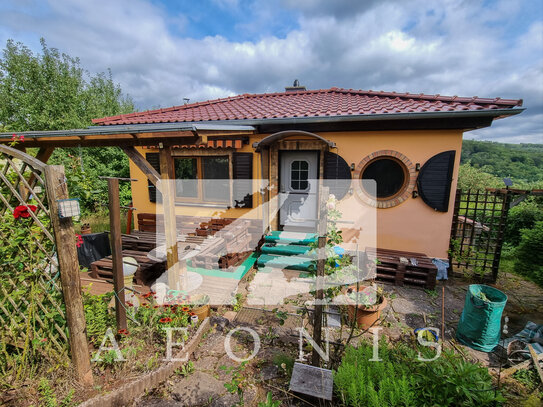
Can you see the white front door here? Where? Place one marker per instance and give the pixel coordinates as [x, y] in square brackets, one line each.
[298, 189]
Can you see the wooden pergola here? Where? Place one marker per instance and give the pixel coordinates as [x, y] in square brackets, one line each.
[127, 138]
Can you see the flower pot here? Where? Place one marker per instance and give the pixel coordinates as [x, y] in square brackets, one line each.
[366, 316]
[202, 312]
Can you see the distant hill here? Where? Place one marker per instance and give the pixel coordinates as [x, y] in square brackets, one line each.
[521, 162]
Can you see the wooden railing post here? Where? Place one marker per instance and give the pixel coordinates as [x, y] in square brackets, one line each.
[116, 251]
[64, 233]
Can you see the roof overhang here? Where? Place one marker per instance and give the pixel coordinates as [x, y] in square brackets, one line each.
[131, 135]
[197, 132]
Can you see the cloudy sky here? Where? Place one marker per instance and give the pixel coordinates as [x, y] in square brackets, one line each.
[161, 51]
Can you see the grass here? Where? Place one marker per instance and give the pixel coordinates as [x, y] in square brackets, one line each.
[99, 222]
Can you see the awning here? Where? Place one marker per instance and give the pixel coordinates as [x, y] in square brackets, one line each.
[272, 138]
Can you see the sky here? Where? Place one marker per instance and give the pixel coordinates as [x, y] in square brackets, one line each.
[161, 51]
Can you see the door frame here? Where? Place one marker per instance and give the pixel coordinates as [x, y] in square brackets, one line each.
[309, 144]
[280, 175]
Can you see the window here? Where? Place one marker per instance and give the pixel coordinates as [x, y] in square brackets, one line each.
[202, 179]
[389, 175]
[299, 175]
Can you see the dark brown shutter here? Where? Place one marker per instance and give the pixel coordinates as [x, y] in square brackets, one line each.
[243, 180]
[434, 181]
[154, 160]
[337, 175]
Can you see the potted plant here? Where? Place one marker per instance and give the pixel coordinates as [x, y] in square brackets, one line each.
[201, 307]
[366, 303]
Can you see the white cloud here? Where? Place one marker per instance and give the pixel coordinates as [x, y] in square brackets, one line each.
[449, 47]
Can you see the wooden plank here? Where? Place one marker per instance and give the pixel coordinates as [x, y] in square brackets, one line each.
[536, 362]
[170, 220]
[116, 251]
[523, 365]
[142, 164]
[69, 274]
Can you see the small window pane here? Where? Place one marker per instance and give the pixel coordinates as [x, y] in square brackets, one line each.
[186, 175]
[216, 179]
[299, 174]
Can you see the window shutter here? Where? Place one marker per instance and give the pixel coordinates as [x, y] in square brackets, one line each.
[154, 160]
[337, 175]
[243, 180]
[434, 180]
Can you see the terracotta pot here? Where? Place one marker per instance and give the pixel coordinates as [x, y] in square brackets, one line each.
[86, 229]
[202, 312]
[366, 317]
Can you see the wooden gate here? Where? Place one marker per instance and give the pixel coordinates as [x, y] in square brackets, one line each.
[36, 262]
[477, 232]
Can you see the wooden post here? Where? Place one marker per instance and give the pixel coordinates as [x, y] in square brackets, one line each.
[321, 260]
[64, 232]
[170, 228]
[116, 251]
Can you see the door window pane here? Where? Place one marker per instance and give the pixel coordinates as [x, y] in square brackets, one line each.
[299, 175]
[216, 179]
[186, 175]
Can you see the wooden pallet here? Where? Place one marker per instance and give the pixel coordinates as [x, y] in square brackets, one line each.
[148, 270]
[390, 269]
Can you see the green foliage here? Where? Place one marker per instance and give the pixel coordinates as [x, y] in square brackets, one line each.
[529, 256]
[284, 362]
[84, 166]
[238, 381]
[269, 401]
[400, 379]
[474, 178]
[50, 91]
[237, 302]
[522, 162]
[360, 382]
[522, 216]
[528, 378]
[185, 370]
[97, 315]
[47, 396]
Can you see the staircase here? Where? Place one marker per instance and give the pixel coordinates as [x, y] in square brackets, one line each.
[288, 250]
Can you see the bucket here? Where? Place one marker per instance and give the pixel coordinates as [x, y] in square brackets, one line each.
[480, 324]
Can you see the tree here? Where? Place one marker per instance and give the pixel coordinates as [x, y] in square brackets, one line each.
[50, 91]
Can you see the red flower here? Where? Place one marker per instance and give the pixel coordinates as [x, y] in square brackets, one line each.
[79, 240]
[185, 309]
[22, 137]
[155, 306]
[145, 305]
[192, 314]
[14, 137]
[123, 332]
[129, 304]
[147, 295]
[165, 320]
[21, 211]
[44, 340]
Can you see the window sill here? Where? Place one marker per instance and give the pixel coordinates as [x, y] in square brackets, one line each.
[204, 205]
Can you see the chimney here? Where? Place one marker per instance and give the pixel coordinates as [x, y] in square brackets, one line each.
[295, 87]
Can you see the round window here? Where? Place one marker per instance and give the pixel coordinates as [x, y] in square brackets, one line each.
[389, 175]
[394, 177]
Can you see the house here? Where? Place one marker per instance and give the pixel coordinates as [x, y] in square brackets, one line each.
[281, 148]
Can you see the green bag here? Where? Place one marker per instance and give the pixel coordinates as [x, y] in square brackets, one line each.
[480, 324]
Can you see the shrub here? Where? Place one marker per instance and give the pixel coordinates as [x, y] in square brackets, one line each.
[529, 256]
[400, 379]
[360, 382]
[522, 216]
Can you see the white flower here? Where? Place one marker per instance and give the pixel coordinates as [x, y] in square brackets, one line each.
[330, 206]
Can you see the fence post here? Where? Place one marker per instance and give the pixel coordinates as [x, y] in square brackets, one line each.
[55, 182]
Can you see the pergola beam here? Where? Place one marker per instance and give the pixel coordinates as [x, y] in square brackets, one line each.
[142, 164]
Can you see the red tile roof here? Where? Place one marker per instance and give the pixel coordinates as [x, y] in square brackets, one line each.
[310, 103]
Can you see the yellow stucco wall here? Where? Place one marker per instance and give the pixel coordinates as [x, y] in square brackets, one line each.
[409, 226]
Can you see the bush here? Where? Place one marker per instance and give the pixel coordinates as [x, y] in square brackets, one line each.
[529, 256]
[522, 216]
[400, 379]
[360, 382]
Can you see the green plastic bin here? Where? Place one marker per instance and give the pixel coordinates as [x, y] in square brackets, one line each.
[480, 324]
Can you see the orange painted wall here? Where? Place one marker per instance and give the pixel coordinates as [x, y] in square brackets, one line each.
[409, 226]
